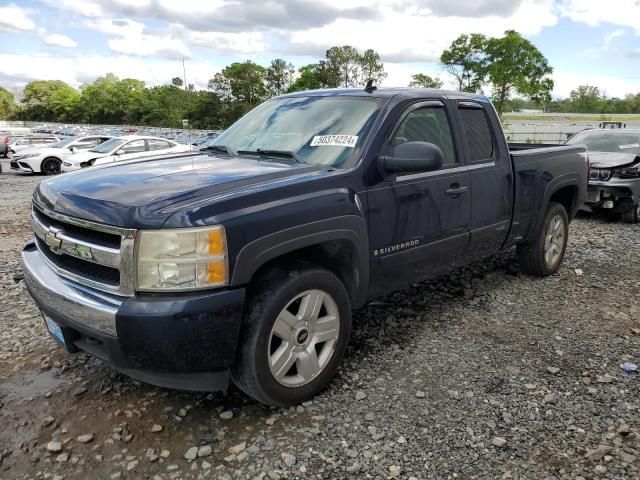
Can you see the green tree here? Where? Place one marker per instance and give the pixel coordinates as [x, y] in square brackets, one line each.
[279, 76]
[514, 64]
[420, 80]
[347, 61]
[177, 82]
[586, 99]
[466, 61]
[49, 100]
[7, 103]
[315, 76]
[246, 82]
[371, 66]
[113, 101]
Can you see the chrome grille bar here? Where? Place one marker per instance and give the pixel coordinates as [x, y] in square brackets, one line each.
[60, 242]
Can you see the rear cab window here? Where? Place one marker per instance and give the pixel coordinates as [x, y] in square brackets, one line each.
[477, 132]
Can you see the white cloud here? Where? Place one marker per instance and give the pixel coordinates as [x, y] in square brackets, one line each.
[401, 37]
[58, 40]
[595, 12]
[611, 85]
[14, 18]
[18, 69]
[133, 38]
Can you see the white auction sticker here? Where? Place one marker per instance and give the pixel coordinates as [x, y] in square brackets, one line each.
[630, 145]
[335, 140]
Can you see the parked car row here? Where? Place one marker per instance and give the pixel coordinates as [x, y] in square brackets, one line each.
[74, 153]
[187, 137]
[12, 143]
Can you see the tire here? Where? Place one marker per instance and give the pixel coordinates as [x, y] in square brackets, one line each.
[275, 311]
[633, 215]
[543, 256]
[50, 166]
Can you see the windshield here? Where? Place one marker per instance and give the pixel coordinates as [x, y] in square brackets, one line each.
[316, 130]
[107, 146]
[63, 143]
[605, 141]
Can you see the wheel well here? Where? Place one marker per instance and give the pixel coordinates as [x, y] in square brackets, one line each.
[566, 196]
[337, 256]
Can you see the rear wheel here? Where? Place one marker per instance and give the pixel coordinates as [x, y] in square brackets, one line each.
[633, 215]
[295, 332]
[544, 255]
[50, 166]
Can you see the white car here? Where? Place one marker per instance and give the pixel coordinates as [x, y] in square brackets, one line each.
[48, 159]
[23, 142]
[118, 149]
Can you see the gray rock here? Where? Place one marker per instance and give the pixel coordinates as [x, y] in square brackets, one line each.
[360, 395]
[86, 438]
[205, 451]
[226, 415]
[54, 447]
[597, 454]
[499, 441]
[191, 454]
[289, 459]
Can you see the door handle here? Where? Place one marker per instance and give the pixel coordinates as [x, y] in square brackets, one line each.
[455, 190]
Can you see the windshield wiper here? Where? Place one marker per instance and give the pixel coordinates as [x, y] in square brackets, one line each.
[272, 153]
[216, 148]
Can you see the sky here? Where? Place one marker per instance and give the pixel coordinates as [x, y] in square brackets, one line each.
[593, 42]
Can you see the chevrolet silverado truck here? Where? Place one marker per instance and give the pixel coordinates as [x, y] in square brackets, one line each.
[244, 262]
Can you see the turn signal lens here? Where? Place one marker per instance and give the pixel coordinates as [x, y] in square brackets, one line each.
[216, 242]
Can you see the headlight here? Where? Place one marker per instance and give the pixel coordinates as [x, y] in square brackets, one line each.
[629, 172]
[30, 155]
[182, 259]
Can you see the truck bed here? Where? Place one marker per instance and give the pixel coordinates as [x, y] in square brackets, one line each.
[539, 170]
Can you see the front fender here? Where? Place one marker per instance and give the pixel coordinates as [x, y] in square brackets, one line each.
[350, 228]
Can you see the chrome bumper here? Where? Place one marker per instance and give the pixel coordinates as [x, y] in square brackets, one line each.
[63, 298]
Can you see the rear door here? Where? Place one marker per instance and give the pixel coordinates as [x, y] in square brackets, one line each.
[158, 146]
[490, 176]
[419, 222]
[132, 149]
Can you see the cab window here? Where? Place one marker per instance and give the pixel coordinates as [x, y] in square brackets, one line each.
[428, 124]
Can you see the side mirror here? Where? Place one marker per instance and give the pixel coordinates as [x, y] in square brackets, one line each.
[120, 152]
[414, 157]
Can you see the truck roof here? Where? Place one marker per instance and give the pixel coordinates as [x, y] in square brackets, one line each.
[389, 92]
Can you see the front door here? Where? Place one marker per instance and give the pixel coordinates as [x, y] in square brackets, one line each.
[419, 222]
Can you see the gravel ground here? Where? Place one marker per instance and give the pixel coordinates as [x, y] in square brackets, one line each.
[486, 373]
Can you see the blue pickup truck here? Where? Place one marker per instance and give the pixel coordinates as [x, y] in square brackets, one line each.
[243, 262]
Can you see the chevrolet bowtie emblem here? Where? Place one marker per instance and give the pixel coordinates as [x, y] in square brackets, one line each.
[51, 239]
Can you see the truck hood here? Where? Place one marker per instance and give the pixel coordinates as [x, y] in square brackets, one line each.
[144, 194]
[612, 160]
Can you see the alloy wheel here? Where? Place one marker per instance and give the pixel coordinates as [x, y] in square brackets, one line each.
[303, 338]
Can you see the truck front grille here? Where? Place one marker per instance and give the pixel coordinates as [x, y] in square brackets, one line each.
[81, 233]
[96, 255]
[92, 271]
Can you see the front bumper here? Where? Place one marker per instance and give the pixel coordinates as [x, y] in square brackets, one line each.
[624, 193]
[20, 165]
[185, 341]
[69, 167]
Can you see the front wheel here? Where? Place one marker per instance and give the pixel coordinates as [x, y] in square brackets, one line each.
[50, 166]
[543, 256]
[295, 331]
[633, 215]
